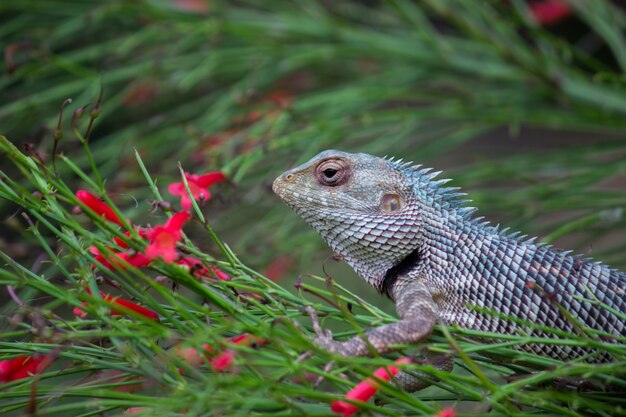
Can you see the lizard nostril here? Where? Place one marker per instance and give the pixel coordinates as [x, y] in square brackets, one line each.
[289, 177]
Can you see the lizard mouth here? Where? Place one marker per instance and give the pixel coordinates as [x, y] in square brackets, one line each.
[291, 197]
[298, 197]
[278, 187]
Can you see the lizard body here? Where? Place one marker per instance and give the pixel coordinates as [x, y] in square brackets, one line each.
[416, 241]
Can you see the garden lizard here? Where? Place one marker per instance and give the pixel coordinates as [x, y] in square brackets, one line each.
[418, 242]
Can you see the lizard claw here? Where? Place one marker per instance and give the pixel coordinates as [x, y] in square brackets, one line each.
[325, 339]
[321, 333]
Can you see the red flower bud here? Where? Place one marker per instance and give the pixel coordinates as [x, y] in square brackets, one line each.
[247, 339]
[21, 367]
[549, 12]
[446, 412]
[365, 390]
[125, 305]
[98, 206]
[197, 268]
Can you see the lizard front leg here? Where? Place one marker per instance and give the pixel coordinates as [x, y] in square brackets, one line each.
[418, 315]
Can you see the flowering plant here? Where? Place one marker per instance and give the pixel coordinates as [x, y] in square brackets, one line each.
[125, 285]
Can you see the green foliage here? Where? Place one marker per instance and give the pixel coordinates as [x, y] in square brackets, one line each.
[105, 363]
[419, 80]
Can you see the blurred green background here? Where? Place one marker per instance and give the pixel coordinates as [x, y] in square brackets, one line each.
[527, 115]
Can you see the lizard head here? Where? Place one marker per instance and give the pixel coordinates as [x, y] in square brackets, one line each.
[363, 206]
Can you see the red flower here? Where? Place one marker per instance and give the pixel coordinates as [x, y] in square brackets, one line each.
[280, 98]
[247, 339]
[135, 410]
[163, 239]
[98, 206]
[198, 185]
[128, 383]
[446, 412]
[140, 94]
[193, 6]
[191, 356]
[549, 12]
[224, 361]
[196, 267]
[113, 259]
[220, 361]
[118, 260]
[21, 367]
[125, 305]
[278, 267]
[366, 389]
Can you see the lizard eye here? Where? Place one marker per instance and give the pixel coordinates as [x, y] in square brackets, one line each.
[332, 173]
[391, 203]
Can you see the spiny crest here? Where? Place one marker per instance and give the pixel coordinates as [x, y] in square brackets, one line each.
[424, 180]
[451, 198]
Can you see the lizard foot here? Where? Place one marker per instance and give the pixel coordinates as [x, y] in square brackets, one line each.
[321, 333]
[324, 337]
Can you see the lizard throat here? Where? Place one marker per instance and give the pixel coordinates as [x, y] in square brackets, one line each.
[407, 264]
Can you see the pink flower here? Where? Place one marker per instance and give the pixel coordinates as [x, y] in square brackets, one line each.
[446, 412]
[98, 206]
[134, 410]
[193, 6]
[163, 239]
[21, 367]
[191, 356]
[196, 267]
[549, 12]
[198, 185]
[79, 311]
[365, 390]
[224, 361]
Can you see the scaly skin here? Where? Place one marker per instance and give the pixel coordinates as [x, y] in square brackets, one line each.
[417, 242]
